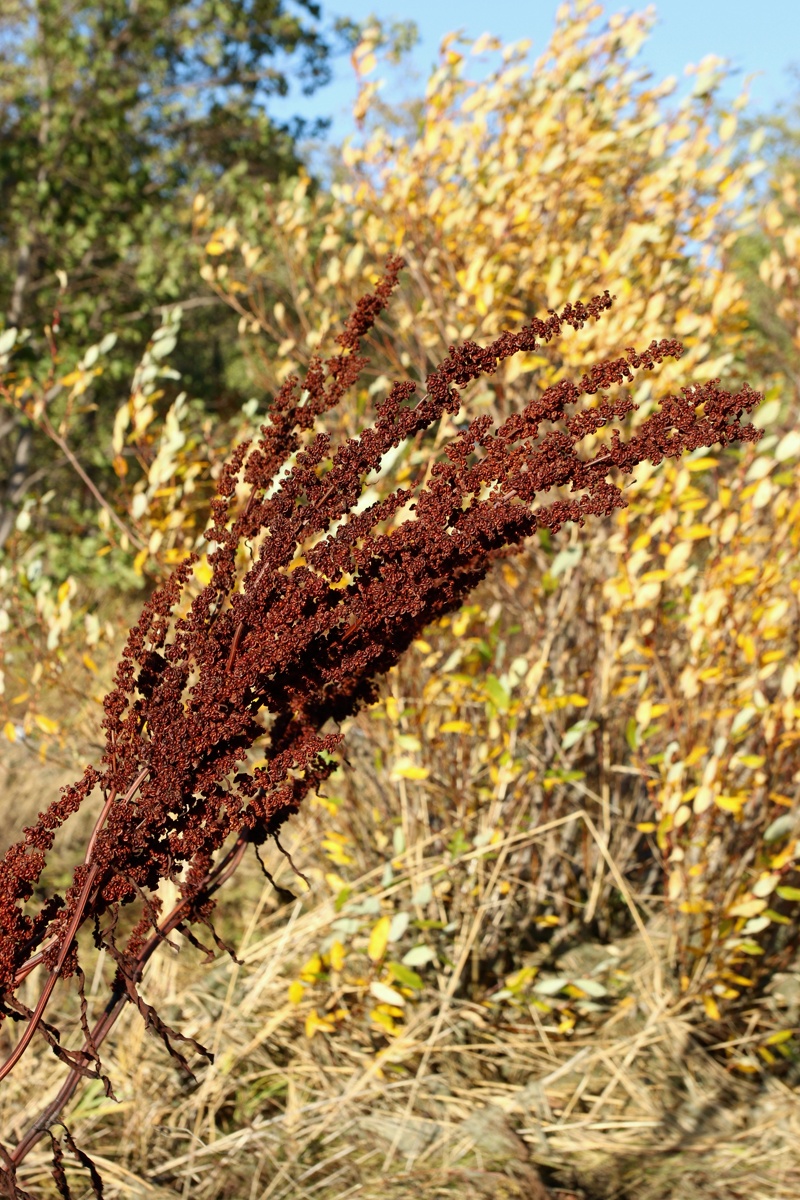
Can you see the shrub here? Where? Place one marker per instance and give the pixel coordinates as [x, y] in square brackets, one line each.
[280, 653]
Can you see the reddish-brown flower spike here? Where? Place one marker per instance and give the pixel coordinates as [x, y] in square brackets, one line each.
[192, 694]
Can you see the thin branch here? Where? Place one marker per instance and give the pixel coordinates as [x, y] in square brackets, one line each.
[220, 874]
[101, 500]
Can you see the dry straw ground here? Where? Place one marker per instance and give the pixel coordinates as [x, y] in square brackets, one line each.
[540, 1030]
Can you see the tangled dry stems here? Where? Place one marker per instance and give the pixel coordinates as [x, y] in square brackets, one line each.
[292, 647]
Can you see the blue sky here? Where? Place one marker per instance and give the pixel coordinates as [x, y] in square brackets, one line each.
[756, 35]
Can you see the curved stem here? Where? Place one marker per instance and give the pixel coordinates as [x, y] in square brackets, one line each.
[220, 874]
[33, 1024]
[77, 920]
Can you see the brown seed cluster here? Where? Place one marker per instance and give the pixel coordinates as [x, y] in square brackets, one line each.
[288, 652]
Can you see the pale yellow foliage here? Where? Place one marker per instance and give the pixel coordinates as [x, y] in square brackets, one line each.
[528, 188]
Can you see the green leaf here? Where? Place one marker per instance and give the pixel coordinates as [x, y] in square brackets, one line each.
[632, 733]
[405, 976]
[788, 893]
[458, 844]
[576, 732]
[498, 695]
[779, 828]
[163, 347]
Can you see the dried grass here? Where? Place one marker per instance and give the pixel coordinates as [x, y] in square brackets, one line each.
[635, 1106]
[636, 1102]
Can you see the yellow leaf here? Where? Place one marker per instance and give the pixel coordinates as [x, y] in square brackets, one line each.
[296, 992]
[203, 571]
[63, 591]
[403, 769]
[727, 127]
[89, 663]
[310, 970]
[337, 956]
[777, 1039]
[46, 724]
[779, 798]
[693, 533]
[510, 576]
[747, 908]
[73, 377]
[711, 1007]
[315, 1023]
[335, 883]
[10, 731]
[461, 622]
[215, 248]
[655, 576]
[701, 464]
[455, 727]
[322, 802]
[140, 560]
[379, 939]
[728, 993]
[747, 646]
[785, 856]
[577, 700]
[336, 854]
[384, 1020]
[732, 804]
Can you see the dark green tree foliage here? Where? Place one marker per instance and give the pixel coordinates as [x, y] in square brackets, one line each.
[112, 115]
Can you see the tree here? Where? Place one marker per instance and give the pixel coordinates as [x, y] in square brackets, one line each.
[767, 255]
[111, 115]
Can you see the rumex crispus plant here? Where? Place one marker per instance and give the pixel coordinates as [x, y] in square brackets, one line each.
[332, 599]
